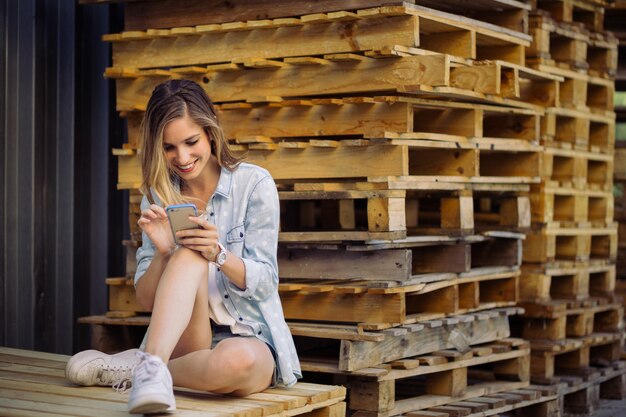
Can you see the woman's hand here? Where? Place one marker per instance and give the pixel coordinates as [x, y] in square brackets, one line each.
[203, 240]
[155, 224]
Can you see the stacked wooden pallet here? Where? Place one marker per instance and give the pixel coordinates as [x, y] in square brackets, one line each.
[572, 318]
[34, 384]
[403, 141]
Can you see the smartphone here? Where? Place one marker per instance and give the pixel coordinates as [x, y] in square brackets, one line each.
[179, 217]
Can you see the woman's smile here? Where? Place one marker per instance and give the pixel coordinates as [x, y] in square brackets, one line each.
[186, 168]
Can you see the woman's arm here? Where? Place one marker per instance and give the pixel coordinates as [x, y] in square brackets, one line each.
[260, 265]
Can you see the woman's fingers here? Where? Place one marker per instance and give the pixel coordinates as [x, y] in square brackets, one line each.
[158, 210]
[205, 224]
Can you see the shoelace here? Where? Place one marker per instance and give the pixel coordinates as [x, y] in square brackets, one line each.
[148, 367]
[118, 376]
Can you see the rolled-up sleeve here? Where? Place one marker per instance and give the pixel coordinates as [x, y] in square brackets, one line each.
[261, 242]
[146, 252]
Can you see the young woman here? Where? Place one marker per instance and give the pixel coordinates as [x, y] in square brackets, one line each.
[225, 270]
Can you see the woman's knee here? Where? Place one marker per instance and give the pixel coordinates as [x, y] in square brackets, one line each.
[240, 358]
[188, 258]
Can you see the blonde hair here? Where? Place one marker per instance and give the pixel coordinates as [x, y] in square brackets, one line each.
[171, 100]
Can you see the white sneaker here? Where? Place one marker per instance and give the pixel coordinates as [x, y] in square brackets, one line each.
[152, 388]
[91, 367]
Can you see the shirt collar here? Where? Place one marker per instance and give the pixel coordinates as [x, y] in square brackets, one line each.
[224, 185]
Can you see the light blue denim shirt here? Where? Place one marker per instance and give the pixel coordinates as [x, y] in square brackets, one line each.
[246, 211]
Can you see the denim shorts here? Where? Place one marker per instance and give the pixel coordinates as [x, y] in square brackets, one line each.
[223, 332]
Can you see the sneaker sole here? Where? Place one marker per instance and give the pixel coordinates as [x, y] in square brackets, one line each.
[150, 404]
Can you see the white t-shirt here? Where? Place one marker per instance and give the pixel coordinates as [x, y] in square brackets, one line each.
[217, 309]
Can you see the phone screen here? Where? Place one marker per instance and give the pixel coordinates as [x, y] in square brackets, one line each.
[178, 216]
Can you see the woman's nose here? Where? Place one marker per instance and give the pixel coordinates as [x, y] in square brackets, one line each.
[182, 156]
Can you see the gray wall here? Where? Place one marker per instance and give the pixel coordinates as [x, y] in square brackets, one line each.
[56, 173]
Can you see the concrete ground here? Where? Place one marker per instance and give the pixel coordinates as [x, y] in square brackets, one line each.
[611, 408]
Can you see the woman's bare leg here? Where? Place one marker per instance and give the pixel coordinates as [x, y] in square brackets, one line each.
[180, 318]
[237, 365]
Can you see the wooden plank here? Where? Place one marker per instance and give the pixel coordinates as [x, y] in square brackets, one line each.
[341, 162]
[370, 308]
[306, 40]
[392, 265]
[374, 75]
[356, 355]
[370, 120]
[172, 13]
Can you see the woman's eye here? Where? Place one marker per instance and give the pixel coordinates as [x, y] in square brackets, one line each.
[193, 142]
[167, 147]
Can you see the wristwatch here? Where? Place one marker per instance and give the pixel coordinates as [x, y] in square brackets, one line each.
[220, 259]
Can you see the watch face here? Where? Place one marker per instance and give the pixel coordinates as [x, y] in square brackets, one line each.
[221, 258]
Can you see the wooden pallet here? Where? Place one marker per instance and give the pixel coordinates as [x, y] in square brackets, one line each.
[556, 320]
[34, 384]
[367, 29]
[438, 379]
[570, 11]
[396, 261]
[557, 43]
[583, 92]
[338, 301]
[573, 129]
[417, 212]
[408, 70]
[373, 117]
[557, 244]
[142, 16]
[529, 401]
[353, 347]
[581, 396]
[540, 283]
[401, 261]
[480, 161]
[550, 358]
[570, 207]
[577, 169]
[602, 55]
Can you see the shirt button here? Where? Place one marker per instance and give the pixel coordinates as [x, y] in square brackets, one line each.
[226, 296]
[240, 234]
[240, 318]
[259, 332]
[218, 270]
[211, 213]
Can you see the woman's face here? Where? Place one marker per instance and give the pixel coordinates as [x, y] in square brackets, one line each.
[187, 148]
